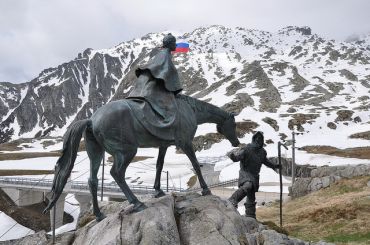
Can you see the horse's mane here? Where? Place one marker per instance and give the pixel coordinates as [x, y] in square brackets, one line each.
[202, 106]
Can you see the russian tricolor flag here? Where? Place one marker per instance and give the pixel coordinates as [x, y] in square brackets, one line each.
[182, 48]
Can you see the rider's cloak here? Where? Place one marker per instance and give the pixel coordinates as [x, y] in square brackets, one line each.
[153, 97]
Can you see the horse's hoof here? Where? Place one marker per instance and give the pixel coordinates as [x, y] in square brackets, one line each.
[100, 217]
[159, 193]
[139, 206]
[206, 192]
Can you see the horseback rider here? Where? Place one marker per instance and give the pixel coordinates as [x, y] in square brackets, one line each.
[155, 89]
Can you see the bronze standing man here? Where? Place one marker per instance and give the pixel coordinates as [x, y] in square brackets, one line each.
[251, 158]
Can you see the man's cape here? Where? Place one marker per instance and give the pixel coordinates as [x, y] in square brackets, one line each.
[152, 100]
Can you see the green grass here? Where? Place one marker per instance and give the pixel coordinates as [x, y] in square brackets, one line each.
[275, 227]
[348, 189]
[356, 237]
[26, 155]
[14, 172]
[339, 189]
[339, 213]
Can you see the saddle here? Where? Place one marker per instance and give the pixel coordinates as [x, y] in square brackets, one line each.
[160, 122]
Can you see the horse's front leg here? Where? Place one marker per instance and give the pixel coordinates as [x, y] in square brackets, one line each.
[157, 182]
[189, 151]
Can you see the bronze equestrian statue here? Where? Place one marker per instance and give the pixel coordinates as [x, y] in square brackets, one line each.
[142, 120]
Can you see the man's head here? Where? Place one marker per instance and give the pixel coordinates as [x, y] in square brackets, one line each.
[258, 139]
[169, 42]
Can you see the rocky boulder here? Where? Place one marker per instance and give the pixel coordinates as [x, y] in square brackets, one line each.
[182, 218]
[154, 225]
[300, 119]
[272, 122]
[241, 101]
[205, 142]
[349, 75]
[332, 125]
[207, 220]
[299, 83]
[344, 115]
[362, 135]
[34, 239]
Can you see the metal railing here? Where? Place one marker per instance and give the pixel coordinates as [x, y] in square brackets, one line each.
[76, 185]
[227, 183]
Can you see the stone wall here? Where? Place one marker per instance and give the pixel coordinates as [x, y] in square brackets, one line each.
[301, 171]
[322, 177]
[310, 178]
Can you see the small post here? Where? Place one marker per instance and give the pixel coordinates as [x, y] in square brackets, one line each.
[293, 156]
[102, 178]
[54, 215]
[281, 182]
[281, 186]
[167, 180]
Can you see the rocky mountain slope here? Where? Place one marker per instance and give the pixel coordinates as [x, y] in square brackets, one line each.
[288, 79]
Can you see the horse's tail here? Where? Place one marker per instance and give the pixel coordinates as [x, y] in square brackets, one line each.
[65, 163]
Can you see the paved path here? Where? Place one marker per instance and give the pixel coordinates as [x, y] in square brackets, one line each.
[212, 178]
[73, 187]
[260, 196]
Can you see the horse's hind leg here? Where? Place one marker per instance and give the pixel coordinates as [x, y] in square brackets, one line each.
[189, 151]
[157, 183]
[118, 171]
[95, 153]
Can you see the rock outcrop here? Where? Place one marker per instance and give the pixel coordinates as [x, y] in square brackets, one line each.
[34, 239]
[174, 219]
[154, 225]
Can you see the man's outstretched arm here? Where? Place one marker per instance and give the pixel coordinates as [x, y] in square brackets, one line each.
[270, 164]
[236, 154]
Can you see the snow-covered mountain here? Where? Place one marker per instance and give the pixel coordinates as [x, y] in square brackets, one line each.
[283, 80]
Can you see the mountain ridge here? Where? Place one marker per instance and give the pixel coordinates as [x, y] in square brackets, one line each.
[288, 72]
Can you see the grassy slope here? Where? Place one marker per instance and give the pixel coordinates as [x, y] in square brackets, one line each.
[340, 213]
[356, 152]
[14, 172]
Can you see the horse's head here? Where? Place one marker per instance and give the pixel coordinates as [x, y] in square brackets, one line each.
[228, 129]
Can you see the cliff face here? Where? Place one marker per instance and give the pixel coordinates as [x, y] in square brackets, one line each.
[61, 95]
[178, 219]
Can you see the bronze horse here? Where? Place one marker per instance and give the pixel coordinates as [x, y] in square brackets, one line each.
[113, 128]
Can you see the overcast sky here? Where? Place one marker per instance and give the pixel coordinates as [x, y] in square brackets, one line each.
[37, 34]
